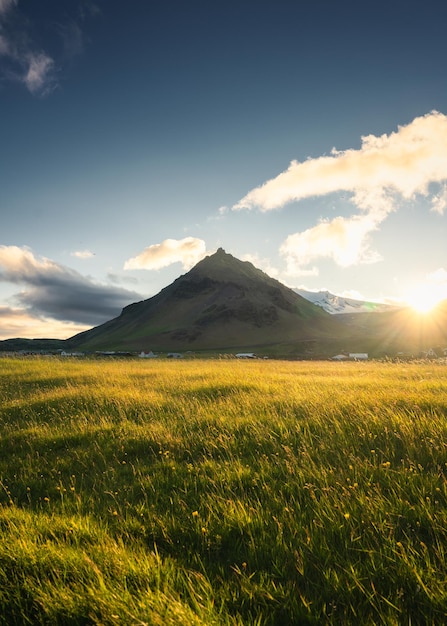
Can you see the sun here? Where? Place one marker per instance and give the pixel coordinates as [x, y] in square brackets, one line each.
[423, 298]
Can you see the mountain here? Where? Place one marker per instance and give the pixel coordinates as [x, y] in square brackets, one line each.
[220, 304]
[399, 331]
[337, 304]
[32, 345]
[227, 305]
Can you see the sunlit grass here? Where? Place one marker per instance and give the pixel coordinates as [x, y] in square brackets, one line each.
[222, 492]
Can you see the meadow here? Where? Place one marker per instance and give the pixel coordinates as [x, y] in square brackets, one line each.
[222, 492]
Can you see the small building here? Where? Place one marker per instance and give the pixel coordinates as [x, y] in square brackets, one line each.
[339, 357]
[358, 356]
[147, 355]
[430, 354]
[174, 355]
[245, 355]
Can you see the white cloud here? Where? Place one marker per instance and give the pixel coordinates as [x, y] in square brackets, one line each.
[405, 162]
[439, 202]
[345, 240]
[20, 264]
[383, 171]
[83, 254]
[187, 251]
[39, 75]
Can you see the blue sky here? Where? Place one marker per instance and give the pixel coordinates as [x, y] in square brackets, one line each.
[309, 138]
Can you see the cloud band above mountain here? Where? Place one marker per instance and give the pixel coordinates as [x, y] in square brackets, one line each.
[385, 170]
[406, 162]
[187, 251]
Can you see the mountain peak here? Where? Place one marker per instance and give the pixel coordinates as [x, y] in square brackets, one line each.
[221, 302]
[223, 266]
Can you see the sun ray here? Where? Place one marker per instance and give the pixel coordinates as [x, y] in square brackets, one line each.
[424, 297]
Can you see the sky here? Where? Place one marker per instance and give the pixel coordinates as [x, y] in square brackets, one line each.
[309, 138]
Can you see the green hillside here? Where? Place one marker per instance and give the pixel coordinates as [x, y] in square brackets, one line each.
[222, 303]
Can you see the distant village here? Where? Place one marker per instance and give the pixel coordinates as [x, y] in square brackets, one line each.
[430, 354]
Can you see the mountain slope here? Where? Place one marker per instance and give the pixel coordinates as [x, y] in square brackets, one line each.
[337, 304]
[222, 303]
[399, 330]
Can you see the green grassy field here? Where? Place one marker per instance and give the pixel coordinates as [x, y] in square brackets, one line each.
[222, 492]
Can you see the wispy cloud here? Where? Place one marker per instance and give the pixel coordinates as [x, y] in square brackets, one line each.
[5, 5]
[25, 63]
[83, 254]
[187, 251]
[39, 77]
[379, 175]
[21, 58]
[72, 38]
[54, 291]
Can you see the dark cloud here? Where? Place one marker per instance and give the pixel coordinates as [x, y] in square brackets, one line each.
[78, 301]
[59, 292]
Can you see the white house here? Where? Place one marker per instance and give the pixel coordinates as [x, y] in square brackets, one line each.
[147, 355]
[358, 356]
[430, 354]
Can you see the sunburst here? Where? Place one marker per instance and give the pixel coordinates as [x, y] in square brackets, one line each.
[423, 298]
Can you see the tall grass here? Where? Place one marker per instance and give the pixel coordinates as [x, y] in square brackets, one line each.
[222, 492]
